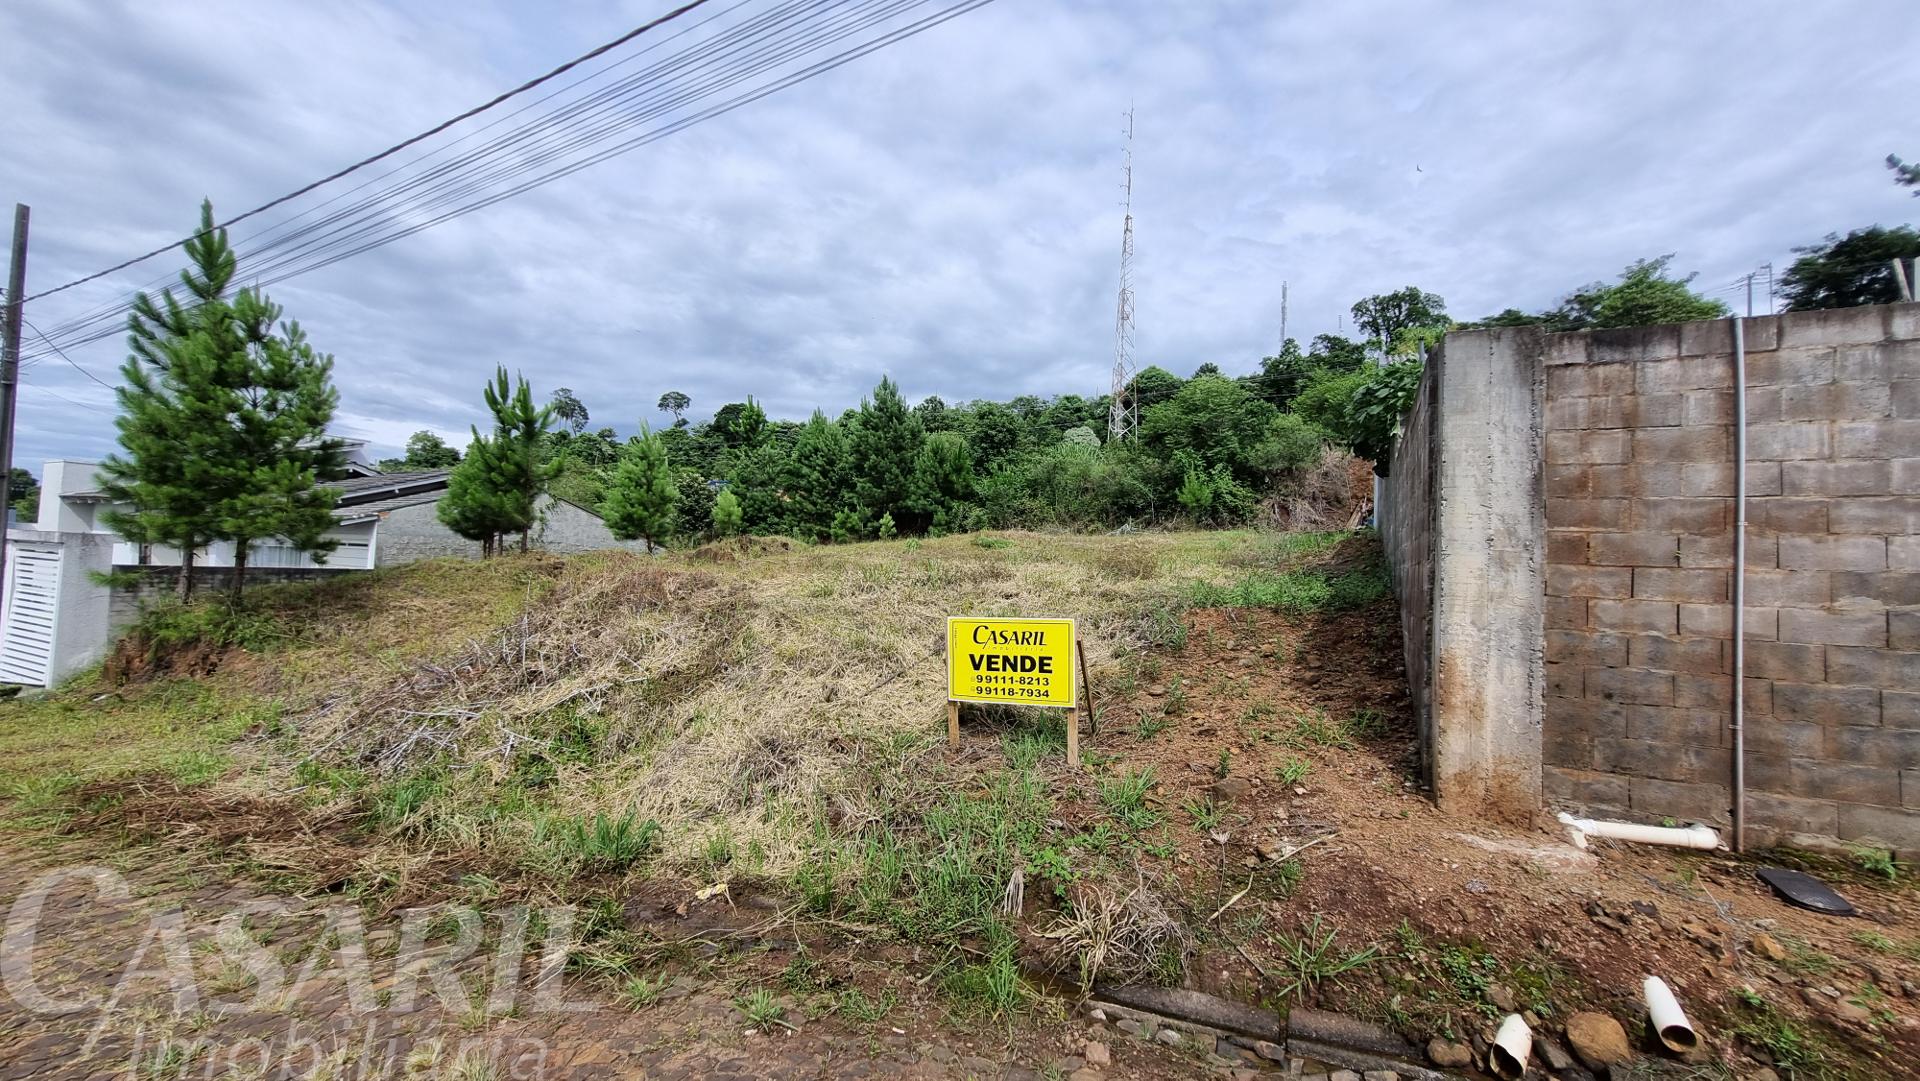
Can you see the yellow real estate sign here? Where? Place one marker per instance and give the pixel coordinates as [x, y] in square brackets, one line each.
[1020, 661]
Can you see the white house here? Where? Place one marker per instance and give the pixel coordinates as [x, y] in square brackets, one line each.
[55, 619]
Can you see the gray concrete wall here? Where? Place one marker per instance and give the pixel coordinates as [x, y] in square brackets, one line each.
[1640, 513]
[1489, 572]
[410, 534]
[1405, 516]
[158, 583]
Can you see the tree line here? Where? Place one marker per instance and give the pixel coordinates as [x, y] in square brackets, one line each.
[225, 405]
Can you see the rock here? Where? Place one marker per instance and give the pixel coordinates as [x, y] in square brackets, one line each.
[1157, 690]
[1168, 1037]
[1764, 1073]
[1449, 1054]
[1068, 1065]
[1551, 1055]
[1598, 1039]
[1768, 947]
[1129, 1026]
[1097, 1014]
[1230, 788]
[1272, 1052]
[1343, 1075]
[1502, 997]
[1086, 1073]
[1097, 1053]
[1849, 1012]
[1380, 1075]
[945, 1056]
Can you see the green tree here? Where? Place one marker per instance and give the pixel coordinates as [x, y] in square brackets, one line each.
[676, 403]
[496, 489]
[1387, 318]
[23, 492]
[224, 410]
[641, 497]
[1644, 296]
[742, 424]
[1196, 496]
[425, 450]
[932, 412]
[1214, 418]
[726, 514]
[1904, 174]
[1153, 385]
[885, 446]
[1333, 353]
[1845, 272]
[942, 481]
[818, 477]
[568, 410]
[1282, 377]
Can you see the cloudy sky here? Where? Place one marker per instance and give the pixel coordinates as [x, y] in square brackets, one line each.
[945, 210]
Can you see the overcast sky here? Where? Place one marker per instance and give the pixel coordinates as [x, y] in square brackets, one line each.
[946, 210]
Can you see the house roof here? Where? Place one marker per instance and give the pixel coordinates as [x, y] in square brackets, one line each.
[360, 497]
[358, 490]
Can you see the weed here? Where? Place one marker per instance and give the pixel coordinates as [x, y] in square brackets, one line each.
[1294, 769]
[1315, 728]
[716, 854]
[1313, 958]
[610, 843]
[1875, 861]
[1176, 700]
[856, 1005]
[1797, 1053]
[1164, 626]
[1299, 592]
[993, 982]
[1151, 725]
[1206, 814]
[982, 540]
[1125, 797]
[193, 768]
[1225, 765]
[1366, 724]
[760, 1008]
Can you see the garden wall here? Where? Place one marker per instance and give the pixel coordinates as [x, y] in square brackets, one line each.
[1637, 523]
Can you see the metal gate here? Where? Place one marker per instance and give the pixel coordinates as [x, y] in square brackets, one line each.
[27, 625]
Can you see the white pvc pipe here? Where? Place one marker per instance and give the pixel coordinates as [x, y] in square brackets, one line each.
[1697, 835]
[1511, 1046]
[1669, 1021]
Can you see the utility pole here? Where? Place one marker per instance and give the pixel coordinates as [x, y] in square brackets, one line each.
[1749, 294]
[10, 375]
[1283, 317]
[1124, 414]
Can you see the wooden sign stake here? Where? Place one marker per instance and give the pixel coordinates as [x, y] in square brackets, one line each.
[953, 725]
[1073, 738]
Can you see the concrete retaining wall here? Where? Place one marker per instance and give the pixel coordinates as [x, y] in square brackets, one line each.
[1631, 556]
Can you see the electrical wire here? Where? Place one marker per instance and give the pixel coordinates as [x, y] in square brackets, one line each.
[64, 356]
[453, 188]
[392, 150]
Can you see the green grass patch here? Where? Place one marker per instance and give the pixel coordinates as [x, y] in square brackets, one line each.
[1300, 592]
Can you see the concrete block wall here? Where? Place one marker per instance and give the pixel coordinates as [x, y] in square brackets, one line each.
[1405, 516]
[1639, 445]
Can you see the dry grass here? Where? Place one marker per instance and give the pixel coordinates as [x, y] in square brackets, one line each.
[743, 698]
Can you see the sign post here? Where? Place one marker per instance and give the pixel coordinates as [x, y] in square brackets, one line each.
[1023, 662]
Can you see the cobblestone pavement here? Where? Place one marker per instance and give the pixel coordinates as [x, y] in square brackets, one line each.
[150, 968]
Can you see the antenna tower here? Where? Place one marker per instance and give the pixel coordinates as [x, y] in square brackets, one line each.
[1124, 415]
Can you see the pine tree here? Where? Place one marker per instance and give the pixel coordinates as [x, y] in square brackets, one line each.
[817, 478]
[885, 444]
[942, 479]
[641, 495]
[495, 489]
[223, 420]
[726, 514]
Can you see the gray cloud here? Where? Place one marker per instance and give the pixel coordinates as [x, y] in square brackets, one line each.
[946, 211]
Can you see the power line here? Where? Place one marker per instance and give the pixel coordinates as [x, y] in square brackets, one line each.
[392, 150]
[83, 405]
[459, 186]
[64, 356]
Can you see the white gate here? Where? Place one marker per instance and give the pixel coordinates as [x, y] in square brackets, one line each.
[27, 625]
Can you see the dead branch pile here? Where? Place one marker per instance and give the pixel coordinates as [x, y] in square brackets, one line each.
[593, 635]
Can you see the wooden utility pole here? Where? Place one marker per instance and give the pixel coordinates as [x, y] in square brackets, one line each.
[10, 375]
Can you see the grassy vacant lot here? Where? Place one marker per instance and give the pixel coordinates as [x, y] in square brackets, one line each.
[770, 716]
[633, 735]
